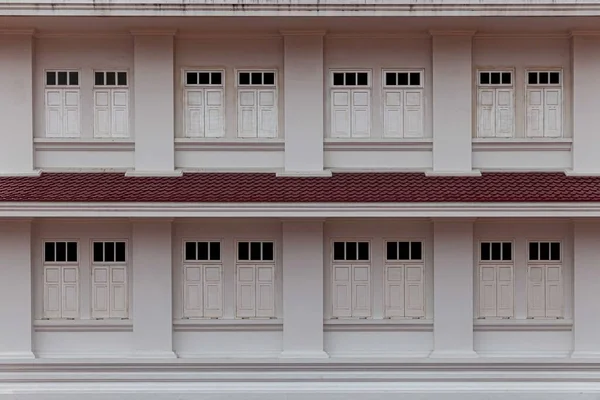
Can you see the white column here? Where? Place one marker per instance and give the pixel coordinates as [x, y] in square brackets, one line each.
[15, 289]
[152, 289]
[453, 289]
[303, 289]
[154, 121]
[303, 98]
[586, 103]
[586, 313]
[16, 97]
[453, 94]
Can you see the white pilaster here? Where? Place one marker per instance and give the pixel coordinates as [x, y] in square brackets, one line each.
[152, 289]
[586, 299]
[15, 290]
[154, 112]
[453, 289]
[452, 114]
[16, 97]
[303, 289]
[303, 98]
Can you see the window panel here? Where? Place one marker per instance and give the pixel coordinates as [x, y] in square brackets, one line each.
[363, 251]
[49, 252]
[109, 252]
[544, 251]
[403, 250]
[351, 253]
[62, 78]
[403, 79]
[486, 253]
[267, 251]
[50, 78]
[339, 253]
[391, 250]
[244, 78]
[255, 251]
[216, 78]
[416, 251]
[122, 78]
[215, 251]
[202, 250]
[204, 78]
[61, 252]
[351, 79]
[120, 252]
[495, 251]
[111, 79]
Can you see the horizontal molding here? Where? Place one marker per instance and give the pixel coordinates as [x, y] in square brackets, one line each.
[233, 145]
[83, 145]
[379, 325]
[90, 325]
[522, 145]
[378, 145]
[520, 325]
[223, 325]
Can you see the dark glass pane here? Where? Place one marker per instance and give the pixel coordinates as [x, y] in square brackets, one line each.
[203, 251]
[390, 78]
[74, 78]
[506, 251]
[267, 251]
[416, 251]
[109, 252]
[190, 251]
[350, 79]
[392, 251]
[555, 251]
[49, 255]
[496, 251]
[495, 78]
[244, 78]
[532, 78]
[215, 251]
[204, 78]
[415, 79]
[351, 251]
[215, 78]
[269, 78]
[485, 252]
[484, 78]
[98, 78]
[403, 251]
[50, 78]
[122, 78]
[533, 251]
[120, 252]
[555, 78]
[403, 79]
[338, 251]
[191, 78]
[256, 78]
[61, 251]
[363, 79]
[243, 251]
[545, 251]
[72, 251]
[98, 252]
[363, 251]
[255, 253]
[338, 79]
[506, 78]
[62, 78]
[111, 78]
[544, 78]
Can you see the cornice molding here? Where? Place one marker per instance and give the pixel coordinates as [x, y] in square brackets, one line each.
[232, 145]
[521, 145]
[487, 325]
[210, 325]
[83, 326]
[378, 145]
[83, 145]
[385, 325]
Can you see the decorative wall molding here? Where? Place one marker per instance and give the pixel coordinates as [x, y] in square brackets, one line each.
[83, 145]
[522, 145]
[384, 325]
[527, 325]
[229, 145]
[378, 145]
[221, 325]
[83, 326]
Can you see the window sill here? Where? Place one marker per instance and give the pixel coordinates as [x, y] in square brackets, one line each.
[228, 325]
[369, 144]
[378, 325]
[222, 144]
[76, 144]
[520, 325]
[513, 144]
[83, 325]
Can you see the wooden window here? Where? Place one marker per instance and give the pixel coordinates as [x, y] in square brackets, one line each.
[257, 108]
[404, 279]
[350, 104]
[110, 291]
[61, 280]
[544, 104]
[204, 103]
[544, 280]
[255, 279]
[202, 280]
[62, 103]
[351, 279]
[495, 104]
[496, 280]
[403, 104]
[111, 104]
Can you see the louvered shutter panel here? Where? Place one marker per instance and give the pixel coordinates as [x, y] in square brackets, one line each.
[505, 290]
[100, 292]
[504, 113]
[414, 291]
[394, 291]
[102, 111]
[71, 113]
[246, 291]
[213, 291]
[265, 299]
[361, 291]
[361, 113]
[120, 112]
[194, 113]
[52, 292]
[247, 113]
[192, 291]
[536, 291]
[342, 291]
[393, 113]
[54, 113]
[554, 291]
[340, 113]
[70, 292]
[553, 113]
[535, 113]
[413, 113]
[267, 113]
[487, 291]
[118, 292]
[486, 111]
[214, 121]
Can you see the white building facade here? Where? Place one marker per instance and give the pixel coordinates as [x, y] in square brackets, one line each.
[294, 200]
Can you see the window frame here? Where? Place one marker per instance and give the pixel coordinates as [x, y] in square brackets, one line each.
[59, 263]
[110, 240]
[398, 261]
[369, 241]
[56, 71]
[333, 71]
[543, 262]
[186, 70]
[116, 71]
[490, 70]
[237, 256]
[274, 86]
[184, 241]
[420, 71]
[560, 70]
[512, 251]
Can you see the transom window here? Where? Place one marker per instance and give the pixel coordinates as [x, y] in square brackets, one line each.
[255, 251]
[55, 252]
[204, 78]
[110, 78]
[496, 251]
[403, 78]
[543, 78]
[544, 251]
[202, 251]
[256, 78]
[62, 78]
[495, 78]
[351, 251]
[109, 252]
[404, 251]
[351, 79]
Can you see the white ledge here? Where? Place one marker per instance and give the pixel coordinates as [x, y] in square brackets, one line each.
[494, 144]
[83, 145]
[521, 325]
[378, 144]
[84, 325]
[228, 325]
[229, 145]
[378, 325]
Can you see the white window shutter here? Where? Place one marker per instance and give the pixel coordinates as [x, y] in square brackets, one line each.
[487, 291]
[361, 113]
[101, 292]
[246, 291]
[118, 292]
[192, 291]
[553, 112]
[505, 290]
[70, 292]
[536, 291]
[414, 291]
[120, 112]
[194, 113]
[52, 292]
[361, 291]
[413, 113]
[71, 113]
[54, 108]
[486, 109]
[213, 291]
[214, 114]
[342, 291]
[554, 291]
[393, 123]
[340, 113]
[535, 113]
[505, 120]
[102, 111]
[394, 291]
[265, 298]
[247, 113]
[267, 113]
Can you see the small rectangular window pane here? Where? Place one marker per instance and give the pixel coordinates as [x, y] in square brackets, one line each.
[544, 78]
[533, 251]
[99, 78]
[392, 250]
[416, 250]
[338, 79]
[269, 78]
[555, 78]
[122, 78]
[363, 79]
[403, 79]
[49, 255]
[244, 78]
[363, 251]
[403, 251]
[111, 79]
[51, 78]
[244, 251]
[495, 78]
[485, 252]
[415, 79]
[120, 252]
[204, 78]
[532, 78]
[484, 78]
[255, 253]
[257, 78]
[555, 251]
[215, 251]
[496, 246]
[73, 78]
[98, 251]
[390, 78]
[191, 78]
[351, 251]
[62, 78]
[215, 78]
[61, 251]
[203, 251]
[545, 251]
[506, 78]
[506, 251]
[109, 252]
[72, 251]
[190, 251]
[267, 251]
[350, 79]
[338, 251]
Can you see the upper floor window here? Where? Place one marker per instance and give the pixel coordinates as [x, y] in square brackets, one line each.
[350, 104]
[111, 104]
[257, 111]
[403, 104]
[204, 103]
[62, 103]
[495, 104]
[544, 103]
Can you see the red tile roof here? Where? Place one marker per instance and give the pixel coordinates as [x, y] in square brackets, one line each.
[265, 187]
